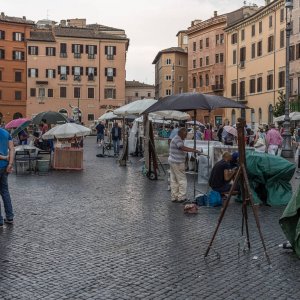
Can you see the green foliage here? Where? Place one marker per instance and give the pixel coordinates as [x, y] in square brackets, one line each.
[279, 108]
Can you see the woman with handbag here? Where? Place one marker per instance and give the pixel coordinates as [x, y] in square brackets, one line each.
[260, 140]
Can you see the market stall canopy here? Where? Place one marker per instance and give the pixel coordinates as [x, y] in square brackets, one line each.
[294, 116]
[135, 108]
[51, 117]
[171, 115]
[67, 130]
[192, 101]
[16, 123]
[108, 116]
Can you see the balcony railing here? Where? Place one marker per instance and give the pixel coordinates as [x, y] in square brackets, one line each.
[63, 77]
[242, 64]
[217, 87]
[91, 77]
[77, 78]
[110, 57]
[77, 55]
[63, 54]
[91, 56]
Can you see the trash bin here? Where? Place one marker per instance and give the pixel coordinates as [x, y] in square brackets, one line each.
[42, 166]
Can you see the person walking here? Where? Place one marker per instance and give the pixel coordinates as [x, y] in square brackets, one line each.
[100, 133]
[6, 164]
[116, 136]
[177, 166]
[273, 140]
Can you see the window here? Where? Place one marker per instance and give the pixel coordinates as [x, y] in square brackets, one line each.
[18, 76]
[194, 82]
[234, 38]
[63, 92]
[179, 62]
[221, 57]
[297, 51]
[259, 48]
[63, 50]
[253, 50]
[242, 90]
[217, 58]
[281, 38]
[242, 54]
[168, 77]
[270, 21]
[234, 57]
[260, 27]
[207, 80]
[217, 80]
[110, 73]
[201, 61]
[50, 51]
[168, 92]
[63, 71]
[201, 44]
[221, 38]
[42, 92]
[149, 95]
[136, 94]
[217, 39]
[270, 82]
[91, 117]
[2, 53]
[194, 63]
[109, 93]
[91, 93]
[32, 92]
[281, 15]
[168, 61]
[242, 34]
[201, 80]
[180, 78]
[77, 72]
[259, 84]
[50, 73]
[207, 42]
[253, 30]
[2, 35]
[194, 46]
[252, 86]
[281, 79]
[33, 50]
[50, 93]
[18, 55]
[34, 73]
[77, 49]
[18, 95]
[233, 89]
[18, 36]
[207, 60]
[292, 53]
[76, 92]
[91, 51]
[91, 72]
[271, 43]
[110, 51]
[221, 80]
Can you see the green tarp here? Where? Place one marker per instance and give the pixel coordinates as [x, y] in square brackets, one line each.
[269, 177]
[290, 222]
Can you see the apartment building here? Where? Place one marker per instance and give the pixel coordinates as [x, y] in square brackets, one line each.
[183, 40]
[13, 66]
[295, 58]
[256, 62]
[170, 72]
[77, 69]
[135, 90]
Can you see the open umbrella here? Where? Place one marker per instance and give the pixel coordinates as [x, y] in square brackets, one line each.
[20, 128]
[51, 117]
[230, 130]
[135, 108]
[67, 130]
[294, 116]
[15, 123]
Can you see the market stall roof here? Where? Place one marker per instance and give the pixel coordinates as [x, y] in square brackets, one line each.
[294, 116]
[108, 116]
[135, 108]
[67, 130]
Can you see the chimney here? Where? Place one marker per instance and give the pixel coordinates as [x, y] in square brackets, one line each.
[215, 13]
[2, 15]
[24, 18]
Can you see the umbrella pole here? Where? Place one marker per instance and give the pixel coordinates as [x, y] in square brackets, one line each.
[195, 161]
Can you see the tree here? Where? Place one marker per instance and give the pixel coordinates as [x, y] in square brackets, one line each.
[279, 108]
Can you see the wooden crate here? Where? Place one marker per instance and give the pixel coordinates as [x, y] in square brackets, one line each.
[68, 158]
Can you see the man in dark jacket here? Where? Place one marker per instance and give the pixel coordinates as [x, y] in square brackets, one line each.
[116, 136]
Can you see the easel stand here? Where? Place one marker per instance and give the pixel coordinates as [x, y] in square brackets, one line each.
[247, 198]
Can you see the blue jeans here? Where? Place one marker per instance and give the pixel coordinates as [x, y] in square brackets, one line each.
[116, 146]
[5, 196]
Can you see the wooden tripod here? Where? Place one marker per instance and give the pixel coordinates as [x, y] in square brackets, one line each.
[247, 198]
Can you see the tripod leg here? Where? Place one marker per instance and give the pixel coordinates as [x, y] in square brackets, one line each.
[223, 210]
[255, 212]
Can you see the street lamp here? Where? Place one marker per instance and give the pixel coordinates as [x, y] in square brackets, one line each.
[287, 150]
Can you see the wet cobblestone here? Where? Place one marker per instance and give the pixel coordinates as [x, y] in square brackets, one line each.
[110, 233]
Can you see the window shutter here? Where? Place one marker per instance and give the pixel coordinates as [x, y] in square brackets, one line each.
[95, 49]
[28, 72]
[114, 72]
[58, 71]
[115, 50]
[105, 72]
[54, 74]
[81, 71]
[37, 50]
[29, 50]
[46, 73]
[37, 73]
[54, 51]
[73, 70]
[14, 36]
[68, 70]
[114, 93]
[105, 93]
[22, 37]
[106, 50]
[81, 48]
[95, 71]
[297, 51]
[86, 48]
[86, 71]
[73, 48]
[22, 55]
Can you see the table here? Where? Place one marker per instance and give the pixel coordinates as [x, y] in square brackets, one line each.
[68, 158]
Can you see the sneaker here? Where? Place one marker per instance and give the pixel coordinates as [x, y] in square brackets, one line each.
[9, 221]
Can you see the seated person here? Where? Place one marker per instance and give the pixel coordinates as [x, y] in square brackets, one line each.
[221, 174]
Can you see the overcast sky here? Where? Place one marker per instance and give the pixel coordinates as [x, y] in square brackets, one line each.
[151, 25]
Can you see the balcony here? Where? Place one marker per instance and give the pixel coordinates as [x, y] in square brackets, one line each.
[242, 64]
[63, 77]
[77, 78]
[110, 78]
[77, 55]
[217, 87]
[91, 77]
[110, 57]
[63, 55]
[91, 56]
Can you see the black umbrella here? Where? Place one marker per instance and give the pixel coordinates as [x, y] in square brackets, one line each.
[51, 117]
[192, 101]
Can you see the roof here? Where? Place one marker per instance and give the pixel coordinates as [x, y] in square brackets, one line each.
[168, 50]
[137, 84]
[23, 20]
[181, 31]
[103, 27]
[46, 36]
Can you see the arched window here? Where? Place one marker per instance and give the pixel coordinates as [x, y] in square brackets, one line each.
[17, 115]
[259, 116]
[233, 117]
[270, 114]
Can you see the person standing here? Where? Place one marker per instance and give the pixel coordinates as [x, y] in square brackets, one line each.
[116, 136]
[100, 133]
[6, 144]
[273, 140]
[177, 166]
[208, 133]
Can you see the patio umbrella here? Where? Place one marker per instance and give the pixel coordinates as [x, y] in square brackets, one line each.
[231, 130]
[108, 116]
[16, 123]
[67, 130]
[294, 116]
[51, 117]
[135, 108]
[20, 128]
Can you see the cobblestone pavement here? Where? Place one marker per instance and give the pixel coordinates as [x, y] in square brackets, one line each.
[109, 233]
